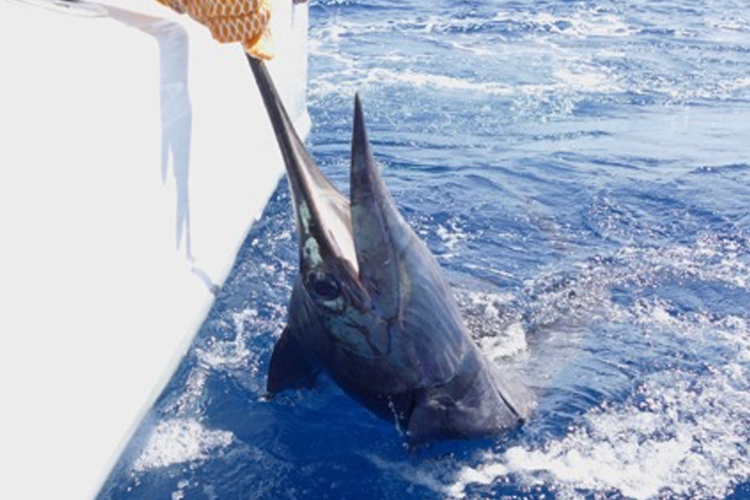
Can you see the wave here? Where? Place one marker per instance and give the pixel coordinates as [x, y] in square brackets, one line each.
[178, 441]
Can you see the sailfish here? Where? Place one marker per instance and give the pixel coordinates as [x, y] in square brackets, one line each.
[370, 305]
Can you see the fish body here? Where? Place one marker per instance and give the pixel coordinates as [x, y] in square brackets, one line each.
[371, 307]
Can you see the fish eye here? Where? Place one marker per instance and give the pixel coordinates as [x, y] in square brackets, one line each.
[324, 286]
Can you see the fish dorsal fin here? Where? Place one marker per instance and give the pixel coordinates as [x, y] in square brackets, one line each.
[377, 227]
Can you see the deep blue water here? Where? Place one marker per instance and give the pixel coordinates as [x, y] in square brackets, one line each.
[582, 172]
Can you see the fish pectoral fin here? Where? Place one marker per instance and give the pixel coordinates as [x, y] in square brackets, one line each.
[291, 366]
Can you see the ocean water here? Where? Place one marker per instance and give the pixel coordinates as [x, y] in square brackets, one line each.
[581, 170]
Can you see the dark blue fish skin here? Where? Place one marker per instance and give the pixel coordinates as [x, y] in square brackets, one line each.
[371, 307]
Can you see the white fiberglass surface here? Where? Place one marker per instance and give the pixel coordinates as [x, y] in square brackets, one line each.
[135, 156]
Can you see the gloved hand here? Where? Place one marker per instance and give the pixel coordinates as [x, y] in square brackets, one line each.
[243, 21]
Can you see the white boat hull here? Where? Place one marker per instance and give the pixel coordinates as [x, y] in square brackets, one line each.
[134, 156]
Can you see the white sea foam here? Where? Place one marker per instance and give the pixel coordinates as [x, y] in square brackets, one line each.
[451, 234]
[448, 481]
[577, 77]
[682, 433]
[507, 344]
[688, 437]
[445, 82]
[233, 352]
[485, 474]
[499, 335]
[426, 475]
[582, 24]
[682, 436]
[542, 41]
[568, 72]
[179, 441]
[231, 355]
[587, 78]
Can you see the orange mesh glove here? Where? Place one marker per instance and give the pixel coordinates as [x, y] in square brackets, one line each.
[243, 21]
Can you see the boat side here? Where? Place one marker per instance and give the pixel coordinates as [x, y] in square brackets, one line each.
[135, 156]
